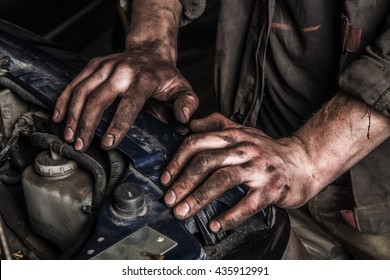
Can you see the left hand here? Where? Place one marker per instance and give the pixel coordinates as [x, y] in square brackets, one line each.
[224, 154]
[140, 73]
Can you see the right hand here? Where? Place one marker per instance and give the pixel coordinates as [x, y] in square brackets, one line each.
[136, 75]
[222, 154]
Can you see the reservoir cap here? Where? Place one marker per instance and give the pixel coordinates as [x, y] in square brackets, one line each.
[47, 166]
[129, 199]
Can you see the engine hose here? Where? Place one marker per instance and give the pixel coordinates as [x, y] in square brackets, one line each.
[117, 167]
[22, 93]
[5, 166]
[48, 141]
[12, 180]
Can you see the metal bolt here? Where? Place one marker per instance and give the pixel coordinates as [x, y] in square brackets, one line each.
[90, 252]
[6, 113]
[160, 239]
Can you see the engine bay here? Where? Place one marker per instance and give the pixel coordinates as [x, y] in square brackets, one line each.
[61, 204]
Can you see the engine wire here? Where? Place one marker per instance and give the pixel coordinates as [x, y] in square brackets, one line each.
[11, 142]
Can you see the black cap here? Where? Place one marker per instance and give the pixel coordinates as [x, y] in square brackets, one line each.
[129, 199]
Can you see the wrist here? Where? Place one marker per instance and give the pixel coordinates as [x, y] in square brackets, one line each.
[339, 135]
[157, 46]
[298, 156]
[154, 25]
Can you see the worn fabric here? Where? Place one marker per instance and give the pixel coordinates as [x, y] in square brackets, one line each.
[278, 61]
[324, 209]
[296, 67]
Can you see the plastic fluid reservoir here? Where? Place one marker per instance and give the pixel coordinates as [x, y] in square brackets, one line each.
[55, 191]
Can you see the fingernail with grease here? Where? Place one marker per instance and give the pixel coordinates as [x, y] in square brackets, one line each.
[165, 178]
[170, 198]
[108, 140]
[215, 226]
[79, 144]
[55, 114]
[68, 134]
[182, 210]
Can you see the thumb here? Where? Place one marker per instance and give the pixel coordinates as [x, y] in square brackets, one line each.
[184, 105]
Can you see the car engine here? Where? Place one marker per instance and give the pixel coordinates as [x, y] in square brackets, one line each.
[57, 203]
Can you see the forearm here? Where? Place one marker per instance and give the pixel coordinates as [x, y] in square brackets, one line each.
[287, 172]
[156, 23]
[339, 135]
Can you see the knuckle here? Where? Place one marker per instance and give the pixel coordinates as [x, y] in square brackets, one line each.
[118, 127]
[98, 76]
[122, 66]
[252, 207]
[181, 188]
[216, 115]
[249, 166]
[94, 62]
[174, 164]
[231, 134]
[79, 90]
[85, 126]
[246, 148]
[202, 161]
[200, 196]
[179, 85]
[106, 66]
[229, 221]
[131, 103]
[65, 95]
[191, 140]
[72, 118]
[70, 86]
[237, 132]
[190, 97]
[94, 99]
[224, 177]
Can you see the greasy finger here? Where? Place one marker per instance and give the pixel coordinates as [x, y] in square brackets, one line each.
[200, 167]
[243, 210]
[191, 145]
[95, 105]
[185, 104]
[126, 113]
[84, 92]
[214, 122]
[62, 103]
[220, 181]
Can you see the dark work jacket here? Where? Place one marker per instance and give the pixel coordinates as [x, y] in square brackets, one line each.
[362, 69]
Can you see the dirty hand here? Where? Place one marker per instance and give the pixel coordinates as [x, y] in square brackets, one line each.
[224, 154]
[134, 76]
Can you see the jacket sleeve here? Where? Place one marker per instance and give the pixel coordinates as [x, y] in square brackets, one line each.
[192, 9]
[368, 77]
